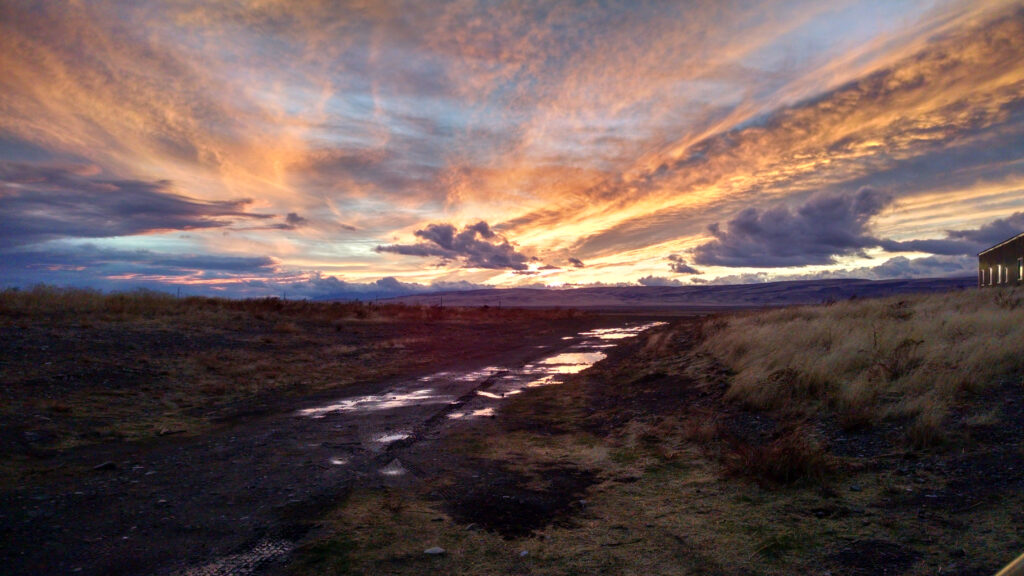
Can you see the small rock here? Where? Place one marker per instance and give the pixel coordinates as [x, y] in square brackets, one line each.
[108, 465]
[524, 553]
[855, 488]
[435, 551]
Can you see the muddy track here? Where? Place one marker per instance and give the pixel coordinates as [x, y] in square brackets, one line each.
[237, 500]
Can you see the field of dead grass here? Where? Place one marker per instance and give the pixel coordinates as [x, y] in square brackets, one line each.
[874, 360]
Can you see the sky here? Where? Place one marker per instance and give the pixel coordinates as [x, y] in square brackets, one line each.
[330, 148]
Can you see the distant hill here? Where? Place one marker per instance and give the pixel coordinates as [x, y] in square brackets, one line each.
[688, 298]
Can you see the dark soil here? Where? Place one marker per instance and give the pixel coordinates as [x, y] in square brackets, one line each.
[255, 474]
[512, 504]
[937, 491]
[874, 558]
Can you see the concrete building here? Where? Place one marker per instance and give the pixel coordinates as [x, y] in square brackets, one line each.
[1002, 264]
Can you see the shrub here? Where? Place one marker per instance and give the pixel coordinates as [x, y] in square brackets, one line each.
[794, 456]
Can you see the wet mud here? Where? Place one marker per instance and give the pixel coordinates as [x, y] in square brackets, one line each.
[515, 505]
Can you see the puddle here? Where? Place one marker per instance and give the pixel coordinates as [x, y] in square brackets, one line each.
[545, 381]
[394, 468]
[481, 374]
[620, 332]
[571, 362]
[378, 402]
[481, 413]
[493, 383]
[548, 371]
[392, 437]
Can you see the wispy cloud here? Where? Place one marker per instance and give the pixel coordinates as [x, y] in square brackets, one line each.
[46, 202]
[965, 242]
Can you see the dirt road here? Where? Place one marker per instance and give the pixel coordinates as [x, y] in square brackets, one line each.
[237, 500]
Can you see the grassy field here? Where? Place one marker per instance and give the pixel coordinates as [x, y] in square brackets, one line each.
[875, 360]
[862, 437]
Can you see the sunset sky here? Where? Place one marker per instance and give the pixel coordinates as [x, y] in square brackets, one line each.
[371, 147]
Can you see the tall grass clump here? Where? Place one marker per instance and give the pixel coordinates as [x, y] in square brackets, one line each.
[897, 357]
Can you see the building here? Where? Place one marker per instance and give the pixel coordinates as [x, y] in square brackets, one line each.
[1002, 264]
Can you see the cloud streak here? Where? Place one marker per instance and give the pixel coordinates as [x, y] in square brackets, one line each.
[46, 202]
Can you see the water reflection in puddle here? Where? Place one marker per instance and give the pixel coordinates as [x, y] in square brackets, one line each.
[376, 402]
[620, 332]
[391, 437]
[572, 362]
[482, 412]
[494, 382]
[548, 371]
[394, 468]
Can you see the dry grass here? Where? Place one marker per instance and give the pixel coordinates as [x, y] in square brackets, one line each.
[872, 360]
[54, 303]
[795, 456]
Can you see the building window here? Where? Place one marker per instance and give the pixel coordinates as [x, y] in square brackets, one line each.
[989, 275]
[1020, 269]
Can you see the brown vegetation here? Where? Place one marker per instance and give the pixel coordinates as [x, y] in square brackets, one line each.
[896, 359]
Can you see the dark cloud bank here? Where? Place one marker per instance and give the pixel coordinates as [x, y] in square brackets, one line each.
[40, 203]
[824, 227]
[830, 225]
[476, 246]
[90, 266]
[678, 265]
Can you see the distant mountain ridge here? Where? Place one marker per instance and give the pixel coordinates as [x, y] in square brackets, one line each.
[688, 297]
